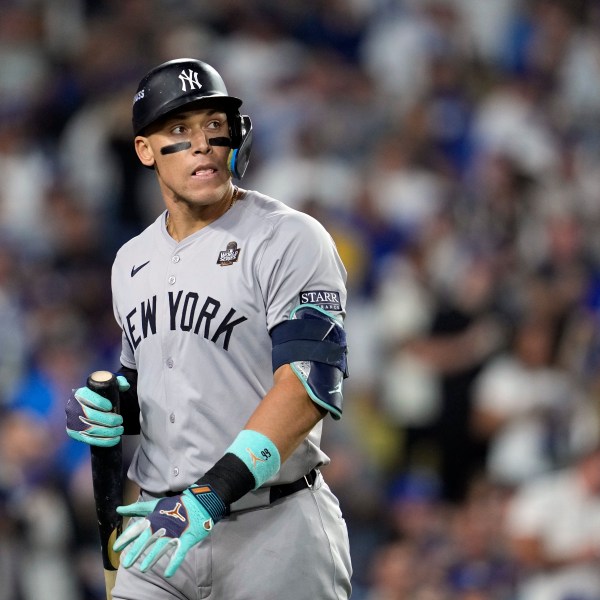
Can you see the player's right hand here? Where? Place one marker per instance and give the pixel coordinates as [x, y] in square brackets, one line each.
[89, 417]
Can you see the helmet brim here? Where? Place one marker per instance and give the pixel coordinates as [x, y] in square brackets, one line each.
[229, 104]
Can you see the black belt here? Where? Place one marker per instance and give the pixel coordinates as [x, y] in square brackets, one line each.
[278, 491]
[285, 489]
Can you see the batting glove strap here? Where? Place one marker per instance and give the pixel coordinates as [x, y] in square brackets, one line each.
[210, 500]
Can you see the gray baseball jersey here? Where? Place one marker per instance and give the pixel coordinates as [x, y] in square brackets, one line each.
[196, 317]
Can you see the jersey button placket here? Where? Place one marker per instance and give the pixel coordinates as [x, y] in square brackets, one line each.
[174, 259]
[169, 361]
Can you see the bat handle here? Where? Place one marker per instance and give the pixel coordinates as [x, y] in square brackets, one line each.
[107, 481]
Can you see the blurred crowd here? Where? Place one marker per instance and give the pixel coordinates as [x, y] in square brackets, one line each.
[452, 149]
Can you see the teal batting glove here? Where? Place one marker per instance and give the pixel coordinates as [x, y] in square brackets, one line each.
[90, 418]
[176, 523]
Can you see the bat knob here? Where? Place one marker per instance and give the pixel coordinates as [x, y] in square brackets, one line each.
[101, 376]
[105, 383]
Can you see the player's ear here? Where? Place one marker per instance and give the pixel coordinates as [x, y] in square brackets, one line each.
[144, 151]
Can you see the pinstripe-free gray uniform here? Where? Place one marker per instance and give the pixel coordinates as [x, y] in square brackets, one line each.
[196, 317]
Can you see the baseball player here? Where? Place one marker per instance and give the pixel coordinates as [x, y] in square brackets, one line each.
[231, 306]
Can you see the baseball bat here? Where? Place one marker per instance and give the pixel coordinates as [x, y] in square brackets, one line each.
[108, 483]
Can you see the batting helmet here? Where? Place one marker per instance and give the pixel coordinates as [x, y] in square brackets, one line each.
[177, 83]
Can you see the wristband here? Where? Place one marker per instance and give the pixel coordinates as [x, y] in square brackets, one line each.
[258, 453]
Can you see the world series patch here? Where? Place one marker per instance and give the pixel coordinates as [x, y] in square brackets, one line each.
[229, 255]
[326, 300]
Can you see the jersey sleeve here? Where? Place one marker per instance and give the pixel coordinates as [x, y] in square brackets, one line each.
[300, 265]
[127, 357]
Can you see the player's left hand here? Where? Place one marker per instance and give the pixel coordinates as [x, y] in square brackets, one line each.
[178, 522]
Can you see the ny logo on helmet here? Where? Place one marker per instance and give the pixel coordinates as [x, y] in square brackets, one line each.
[192, 79]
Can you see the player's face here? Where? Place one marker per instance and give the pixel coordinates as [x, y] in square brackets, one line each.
[189, 152]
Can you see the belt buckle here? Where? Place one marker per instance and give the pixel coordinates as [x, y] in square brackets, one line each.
[310, 485]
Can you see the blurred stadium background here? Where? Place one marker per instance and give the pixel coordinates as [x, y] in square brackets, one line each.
[451, 147]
